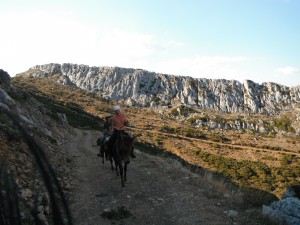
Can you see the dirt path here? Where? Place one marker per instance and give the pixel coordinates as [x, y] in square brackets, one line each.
[158, 191]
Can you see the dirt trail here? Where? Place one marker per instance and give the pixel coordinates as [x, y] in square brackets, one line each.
[158, 191]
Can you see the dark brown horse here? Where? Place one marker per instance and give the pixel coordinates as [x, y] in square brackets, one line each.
[106, 148]
[121, 152]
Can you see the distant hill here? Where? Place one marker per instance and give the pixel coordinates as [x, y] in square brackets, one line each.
[141, 88]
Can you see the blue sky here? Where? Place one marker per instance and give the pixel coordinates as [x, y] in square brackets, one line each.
[217, 39]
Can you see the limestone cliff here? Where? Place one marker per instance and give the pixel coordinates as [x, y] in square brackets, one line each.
[141, 88]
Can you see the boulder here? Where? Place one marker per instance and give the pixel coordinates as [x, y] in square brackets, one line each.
[287, 209]
[5, 81]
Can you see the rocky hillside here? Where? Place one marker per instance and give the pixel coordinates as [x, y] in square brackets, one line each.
[32, 131]
[137, 87]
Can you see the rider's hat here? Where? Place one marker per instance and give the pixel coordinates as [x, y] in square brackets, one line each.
[116, 107]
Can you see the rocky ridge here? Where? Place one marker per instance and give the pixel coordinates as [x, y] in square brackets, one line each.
[141, 88]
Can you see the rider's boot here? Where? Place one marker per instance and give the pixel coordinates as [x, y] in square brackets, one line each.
[132, 153]
[101, 154]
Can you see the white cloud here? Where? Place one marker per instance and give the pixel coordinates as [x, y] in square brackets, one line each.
[41, 37]
[122, 47]
[288, 70]
[205, 67]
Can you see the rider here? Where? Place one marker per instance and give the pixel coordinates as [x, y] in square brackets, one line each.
[107, 125]
[118, 122]
[107, 132]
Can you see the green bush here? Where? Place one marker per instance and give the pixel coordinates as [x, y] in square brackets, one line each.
[284, 123]
[167, 129]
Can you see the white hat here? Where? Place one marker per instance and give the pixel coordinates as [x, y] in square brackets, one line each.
[116, 107]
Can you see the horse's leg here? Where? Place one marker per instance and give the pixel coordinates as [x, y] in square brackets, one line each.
[108, 156]
[125, 171]
[101, 150]
[117, 167]
[122, 174]
[111, 162]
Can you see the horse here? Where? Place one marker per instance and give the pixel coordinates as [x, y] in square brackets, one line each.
[122, 147]
[107, 154]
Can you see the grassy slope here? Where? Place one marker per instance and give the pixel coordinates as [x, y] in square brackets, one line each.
[269, 163]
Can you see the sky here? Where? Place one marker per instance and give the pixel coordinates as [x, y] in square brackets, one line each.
[240, 40]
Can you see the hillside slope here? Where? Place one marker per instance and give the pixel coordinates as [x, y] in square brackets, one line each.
[35, 172]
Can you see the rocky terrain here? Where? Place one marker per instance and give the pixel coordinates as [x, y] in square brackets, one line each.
[31, 137]
[171, 193]
[137, 87]
[185, 95]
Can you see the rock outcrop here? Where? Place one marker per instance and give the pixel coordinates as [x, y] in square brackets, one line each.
[137, 87]
[287, 209]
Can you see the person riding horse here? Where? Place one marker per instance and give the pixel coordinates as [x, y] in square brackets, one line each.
[106, 134]
[117, 123]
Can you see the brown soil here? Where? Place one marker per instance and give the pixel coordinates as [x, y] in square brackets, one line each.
[158, 191]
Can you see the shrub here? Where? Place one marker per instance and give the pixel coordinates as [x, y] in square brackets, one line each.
[284, 124]
[256, 198]
[155, 98]
[167, 129]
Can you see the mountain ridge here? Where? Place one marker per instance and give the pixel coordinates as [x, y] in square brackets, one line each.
[141, 88]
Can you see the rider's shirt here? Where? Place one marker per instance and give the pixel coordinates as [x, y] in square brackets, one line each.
[118, 121]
